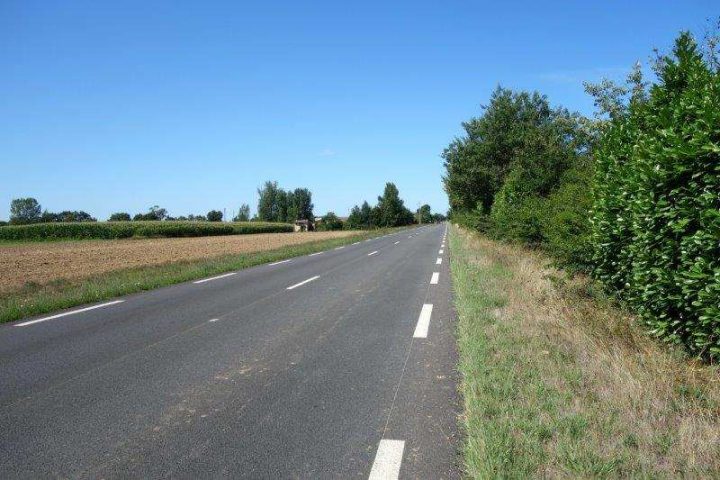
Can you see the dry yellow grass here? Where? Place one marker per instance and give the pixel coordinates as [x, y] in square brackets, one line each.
[44, 262]
[634, 407]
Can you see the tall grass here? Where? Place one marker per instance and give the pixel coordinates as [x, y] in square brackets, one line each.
[559, 383]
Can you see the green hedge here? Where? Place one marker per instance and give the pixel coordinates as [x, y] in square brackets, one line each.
[656, 223]
[110, 230]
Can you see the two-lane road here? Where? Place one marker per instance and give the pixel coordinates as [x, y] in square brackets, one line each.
[334, 365]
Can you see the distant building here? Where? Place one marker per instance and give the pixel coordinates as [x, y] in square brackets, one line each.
[304, 226]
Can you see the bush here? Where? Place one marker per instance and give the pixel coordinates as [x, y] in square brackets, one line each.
[330, 222]
[119, 217]
[656, 220]
[112, 230]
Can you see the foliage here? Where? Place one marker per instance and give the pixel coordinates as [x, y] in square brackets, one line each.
[214, 216]
[425, 214]
[277, 205]
[111, 230]
[66, 216]
[656, 221]
[119, 217]
[155, 213]
[243, 214]
[391, 210]
[330, 222]
[24, 210]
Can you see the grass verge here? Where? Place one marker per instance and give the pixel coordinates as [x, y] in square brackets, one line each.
[35, 299]
[560, 383]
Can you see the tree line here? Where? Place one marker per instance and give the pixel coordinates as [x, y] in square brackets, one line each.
[631, 196]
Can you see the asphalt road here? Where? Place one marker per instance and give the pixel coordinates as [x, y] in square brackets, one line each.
[337, 365]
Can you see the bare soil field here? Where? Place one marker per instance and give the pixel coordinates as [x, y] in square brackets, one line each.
[42, 263]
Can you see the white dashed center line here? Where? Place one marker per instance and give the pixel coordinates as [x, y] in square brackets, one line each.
[372, 253]
[397, 242]
[293, 287]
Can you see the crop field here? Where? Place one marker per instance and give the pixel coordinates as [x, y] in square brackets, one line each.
[39, 263]
[146, 229]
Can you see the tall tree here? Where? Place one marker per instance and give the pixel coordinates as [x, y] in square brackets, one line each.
[392, 211]
[268, 210]
[243, 214]
[25, 210]
[302, 198]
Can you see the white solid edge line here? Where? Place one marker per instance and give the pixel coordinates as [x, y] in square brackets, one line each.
[372, 253]
[65, 314]
[388, 460]
[439, 261]
[316, 253]
[435, 278]
[292, 287]
[421, 330]
[280, 262]
[215, 278]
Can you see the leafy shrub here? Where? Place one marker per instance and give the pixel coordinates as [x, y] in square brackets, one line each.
[119, 217]
[111, 230]
[656, 223]
[330, 222]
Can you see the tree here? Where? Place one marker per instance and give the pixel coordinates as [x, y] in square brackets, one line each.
[330, 222]
[214, 216]
[24, 210]
[277, 205]
[302, 198]
[243, 214]
[391, 209]
[119, 217]
[425, 214]
[155, 213]
[268, 210]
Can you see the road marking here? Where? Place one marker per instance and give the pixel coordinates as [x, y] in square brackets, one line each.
[397, 242]
[441, 252]
[372, 253]
[439, 261]
[340, 247]
[293, 287]
[387, 460]
[316, 253]
[215, 278]
[435, 278]
[65, 314]
[410, 236]
[278, 263]
[356, 243]
[213, 320]
[421, 330]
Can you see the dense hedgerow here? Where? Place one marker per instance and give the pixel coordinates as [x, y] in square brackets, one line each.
[111, 230]
[656, 223]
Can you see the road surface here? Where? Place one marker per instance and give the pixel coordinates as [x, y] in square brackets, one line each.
[333, 365]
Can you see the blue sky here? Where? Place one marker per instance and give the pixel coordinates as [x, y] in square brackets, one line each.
[117, 106]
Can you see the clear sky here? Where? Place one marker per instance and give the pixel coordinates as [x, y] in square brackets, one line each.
[118, 106]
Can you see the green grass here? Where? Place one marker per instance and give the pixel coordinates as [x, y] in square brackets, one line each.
[557, 383]
[39, 299]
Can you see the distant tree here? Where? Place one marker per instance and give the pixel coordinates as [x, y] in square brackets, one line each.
[302, 198]
[24, 210]
[267, 210]
[282, 206]
[425, 214]
[243, 214]
[155, 213]
[330, 222]
[391, 209]
[196, 218]
[214, 216]
[119, 217]
[438, 217]
[3, 223]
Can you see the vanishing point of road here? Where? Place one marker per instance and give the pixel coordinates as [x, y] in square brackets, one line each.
[340, 364]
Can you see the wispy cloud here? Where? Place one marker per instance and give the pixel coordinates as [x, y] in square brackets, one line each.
[584, 75]
[327, 152]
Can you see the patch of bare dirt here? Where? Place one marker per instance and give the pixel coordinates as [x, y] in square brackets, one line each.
[42, 263]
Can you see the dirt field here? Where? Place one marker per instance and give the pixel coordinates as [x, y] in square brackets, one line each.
[44, 262]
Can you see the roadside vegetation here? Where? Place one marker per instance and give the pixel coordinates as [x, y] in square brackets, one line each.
[631, 196]
[58, 292]
[558, 382]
